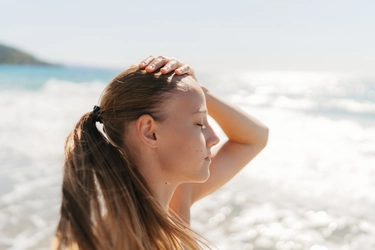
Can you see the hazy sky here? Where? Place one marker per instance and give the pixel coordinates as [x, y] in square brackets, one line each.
[254, 34]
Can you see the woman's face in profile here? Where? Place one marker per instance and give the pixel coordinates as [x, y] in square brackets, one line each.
[185, 137]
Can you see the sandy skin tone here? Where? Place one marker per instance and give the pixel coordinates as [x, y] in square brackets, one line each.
[175, 154]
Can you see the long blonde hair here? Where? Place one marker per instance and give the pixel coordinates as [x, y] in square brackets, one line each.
[106, 203]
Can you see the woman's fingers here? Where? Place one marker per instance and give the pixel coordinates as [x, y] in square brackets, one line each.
[156, 64]
[171, 65]
[185, 69]
[146, 62]
[166, 65]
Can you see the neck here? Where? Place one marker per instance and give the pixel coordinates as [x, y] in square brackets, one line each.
[163, 193]
[161, 186]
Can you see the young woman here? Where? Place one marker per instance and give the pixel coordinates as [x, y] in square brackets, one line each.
[131, 185]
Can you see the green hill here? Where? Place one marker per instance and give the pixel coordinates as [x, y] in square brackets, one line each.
[10, 55]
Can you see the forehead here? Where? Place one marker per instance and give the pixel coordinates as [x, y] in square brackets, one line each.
[184, 82]
[188, 96]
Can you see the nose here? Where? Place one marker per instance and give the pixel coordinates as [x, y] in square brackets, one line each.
[211, 138]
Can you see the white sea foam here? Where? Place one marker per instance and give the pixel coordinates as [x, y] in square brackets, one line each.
[311, 188]
[320, 92]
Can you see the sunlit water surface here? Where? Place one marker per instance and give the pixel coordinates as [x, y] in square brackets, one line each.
[311, 188]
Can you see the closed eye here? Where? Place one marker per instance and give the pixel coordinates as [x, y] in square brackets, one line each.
[202, 125]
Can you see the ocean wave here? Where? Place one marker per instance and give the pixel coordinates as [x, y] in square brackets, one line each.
[54, 85]
[311, 188]
[324, 93]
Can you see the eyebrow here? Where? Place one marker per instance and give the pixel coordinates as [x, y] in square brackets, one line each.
[201, 111]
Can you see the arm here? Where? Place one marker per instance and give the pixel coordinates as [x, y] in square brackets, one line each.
[246, 137]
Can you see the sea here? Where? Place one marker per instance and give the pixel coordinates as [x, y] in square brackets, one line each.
[311, 188]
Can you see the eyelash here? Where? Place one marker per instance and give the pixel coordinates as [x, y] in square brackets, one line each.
[201, 125]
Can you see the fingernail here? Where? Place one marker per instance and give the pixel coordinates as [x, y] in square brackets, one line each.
[151, 67]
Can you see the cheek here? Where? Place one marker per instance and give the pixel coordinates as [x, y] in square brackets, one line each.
[189, 145]
[195, 145]
[182, 143]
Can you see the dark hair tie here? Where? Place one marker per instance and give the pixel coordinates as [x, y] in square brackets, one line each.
[96, 112]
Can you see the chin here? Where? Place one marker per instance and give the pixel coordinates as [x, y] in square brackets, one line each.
[202, 177]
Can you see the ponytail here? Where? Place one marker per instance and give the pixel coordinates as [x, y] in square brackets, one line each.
[90, 178]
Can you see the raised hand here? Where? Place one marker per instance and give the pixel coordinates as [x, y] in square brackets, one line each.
[166, 65]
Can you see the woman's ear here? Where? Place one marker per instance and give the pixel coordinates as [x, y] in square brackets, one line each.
[146, 130]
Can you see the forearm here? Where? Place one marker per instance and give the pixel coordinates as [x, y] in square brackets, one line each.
[239, 126]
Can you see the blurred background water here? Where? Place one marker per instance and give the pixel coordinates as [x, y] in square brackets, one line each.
[311, 188]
